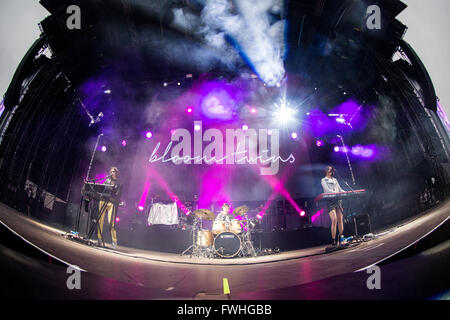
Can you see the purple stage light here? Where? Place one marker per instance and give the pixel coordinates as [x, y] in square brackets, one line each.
[245, 127]
[148, 134]
[316, 215]
[368, 153]
[189, 110]
[124, 143]
[294, 135]
[218, 101]
[117, 219]
[197, 127]
[357, 150]
[336, 149]
[144, 196]
[104, 149]
[253, 110]
[303, 213]
[319, 143]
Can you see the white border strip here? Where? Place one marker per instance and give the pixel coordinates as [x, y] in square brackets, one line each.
[50, 255]
[373, 264]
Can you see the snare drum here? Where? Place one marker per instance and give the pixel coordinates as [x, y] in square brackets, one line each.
[235, 226]
[219, 226]
[205, 238]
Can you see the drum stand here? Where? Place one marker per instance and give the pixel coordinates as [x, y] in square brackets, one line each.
[247, 246]
[196, 250]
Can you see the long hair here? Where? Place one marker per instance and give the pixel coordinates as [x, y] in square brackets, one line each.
[117, 171]
[326, 170]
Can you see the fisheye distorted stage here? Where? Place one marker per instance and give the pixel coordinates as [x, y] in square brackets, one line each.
[152, 115]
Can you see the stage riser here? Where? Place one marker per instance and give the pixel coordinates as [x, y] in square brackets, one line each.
[166, 239]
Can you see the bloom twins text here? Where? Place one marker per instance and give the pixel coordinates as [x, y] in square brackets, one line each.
[241, 147]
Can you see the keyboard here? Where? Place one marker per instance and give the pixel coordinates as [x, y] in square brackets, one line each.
[340, 195]
[99, 191]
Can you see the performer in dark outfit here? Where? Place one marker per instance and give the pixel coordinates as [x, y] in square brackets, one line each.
[111, 207]
[334, 207]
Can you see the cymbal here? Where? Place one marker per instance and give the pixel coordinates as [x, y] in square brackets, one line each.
[204, 214]
[240, 210]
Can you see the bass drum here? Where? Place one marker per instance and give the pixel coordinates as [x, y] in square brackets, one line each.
[227, 244]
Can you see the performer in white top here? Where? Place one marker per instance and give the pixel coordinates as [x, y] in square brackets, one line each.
[335, 210]
[225, 214]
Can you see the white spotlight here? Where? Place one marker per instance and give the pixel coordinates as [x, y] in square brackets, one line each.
[284, 114]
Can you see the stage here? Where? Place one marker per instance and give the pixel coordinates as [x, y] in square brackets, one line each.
[126, 273]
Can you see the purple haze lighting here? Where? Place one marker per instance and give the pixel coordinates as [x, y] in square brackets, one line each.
[124, 143]
[343, 149]
[148, 134]
[189, 110]
[363, 151]
[219, 99]
[104, 149]
[368, 153]
[217, 106]
[357, 150]
[253, 110]
[141, 208]
[117, 219]
[319, 143]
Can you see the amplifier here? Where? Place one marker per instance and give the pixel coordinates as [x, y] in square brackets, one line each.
[362, 225]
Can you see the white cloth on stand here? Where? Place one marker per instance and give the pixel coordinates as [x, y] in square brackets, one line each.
[163, 214]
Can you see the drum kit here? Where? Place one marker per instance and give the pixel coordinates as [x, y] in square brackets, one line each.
[227, 239]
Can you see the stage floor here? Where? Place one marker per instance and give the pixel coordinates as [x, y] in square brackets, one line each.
[127, 273]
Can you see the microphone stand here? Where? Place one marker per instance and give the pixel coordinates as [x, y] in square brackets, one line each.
[86, 180]
[346, 183]
[93, 155]
[348, 160]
